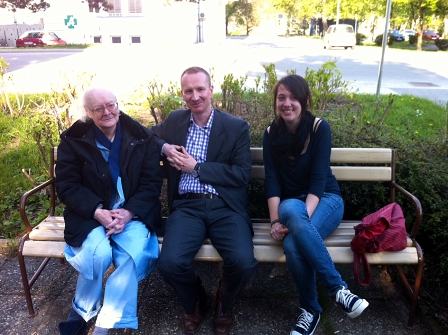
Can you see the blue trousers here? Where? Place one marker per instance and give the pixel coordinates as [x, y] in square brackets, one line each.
[305, 250]
[186, 228]
[134, 254]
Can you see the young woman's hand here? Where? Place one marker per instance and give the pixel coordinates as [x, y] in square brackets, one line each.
[279, 231]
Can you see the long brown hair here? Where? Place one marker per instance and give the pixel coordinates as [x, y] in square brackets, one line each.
[298, 86]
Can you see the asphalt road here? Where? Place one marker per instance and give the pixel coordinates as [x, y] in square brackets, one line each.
[124, 68]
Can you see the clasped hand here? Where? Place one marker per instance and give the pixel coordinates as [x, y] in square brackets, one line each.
[279, 231]
[113, 220]
[179, 158]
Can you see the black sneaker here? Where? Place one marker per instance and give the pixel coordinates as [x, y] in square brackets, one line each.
[306, 323]
[350, 303]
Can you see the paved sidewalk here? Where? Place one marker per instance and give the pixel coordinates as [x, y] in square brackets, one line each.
[267, 306]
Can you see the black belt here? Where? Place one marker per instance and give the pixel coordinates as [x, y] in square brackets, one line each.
[199, 196]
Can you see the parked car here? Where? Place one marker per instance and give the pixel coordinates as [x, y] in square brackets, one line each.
[430, 35]
[397, 35]
[340, 35]
[38, 38]
[407, 32]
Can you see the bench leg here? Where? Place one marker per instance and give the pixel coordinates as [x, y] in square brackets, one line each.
[413, 293]
[26, 285]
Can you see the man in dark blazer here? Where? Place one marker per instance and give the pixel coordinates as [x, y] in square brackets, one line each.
[210, 164]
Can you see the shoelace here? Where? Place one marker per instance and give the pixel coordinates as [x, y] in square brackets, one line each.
[304, 320]
[345, 297]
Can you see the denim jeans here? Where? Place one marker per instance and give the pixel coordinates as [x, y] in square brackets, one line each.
[134, 254]
[305, 251]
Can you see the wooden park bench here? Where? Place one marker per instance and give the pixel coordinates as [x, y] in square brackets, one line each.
[46, 240]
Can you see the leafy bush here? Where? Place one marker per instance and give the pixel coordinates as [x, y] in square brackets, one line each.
[412, 39]
[325, 84]
[379, 39]
[442, 44]
[360, 38]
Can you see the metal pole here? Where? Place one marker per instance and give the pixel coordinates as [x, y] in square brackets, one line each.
[385, 37]
[338, 12]
[199, 22]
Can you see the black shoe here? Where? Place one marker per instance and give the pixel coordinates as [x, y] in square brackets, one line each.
[306, 323]
[77, 327]
[192, 322]
[350, 303]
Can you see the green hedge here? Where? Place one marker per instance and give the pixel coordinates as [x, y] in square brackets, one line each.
[442, 44]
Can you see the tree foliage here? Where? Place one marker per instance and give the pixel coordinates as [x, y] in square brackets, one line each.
[96, 6]
[32, 5]
[41, 5]
[243, 13]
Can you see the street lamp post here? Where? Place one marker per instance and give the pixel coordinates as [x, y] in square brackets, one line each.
[338, 12]
[200, 38]
[383, 48]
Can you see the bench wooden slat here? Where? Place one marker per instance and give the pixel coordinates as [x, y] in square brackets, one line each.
[53, 249]
[343, 173]
[47, 235]
[343, 255]
[54, 220]
[361, 155]
[345, 155]
[362, 173]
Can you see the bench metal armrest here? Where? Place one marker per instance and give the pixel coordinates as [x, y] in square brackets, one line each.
[417, 206]
[25, 197]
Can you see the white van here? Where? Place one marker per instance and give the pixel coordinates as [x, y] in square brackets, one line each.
[340, 35]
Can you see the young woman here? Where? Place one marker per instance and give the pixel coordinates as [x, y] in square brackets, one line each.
[304, 200]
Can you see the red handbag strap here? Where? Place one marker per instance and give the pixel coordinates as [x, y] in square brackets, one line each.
[357, 258]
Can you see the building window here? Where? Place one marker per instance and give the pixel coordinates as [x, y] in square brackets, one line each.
[96, 39]
[135, 39]
[116, 6]
[116, 39]
[135, 6]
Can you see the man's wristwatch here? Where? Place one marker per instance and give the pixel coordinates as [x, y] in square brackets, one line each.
[195, 172]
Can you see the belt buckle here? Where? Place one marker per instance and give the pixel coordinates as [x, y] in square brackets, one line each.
[209, 195]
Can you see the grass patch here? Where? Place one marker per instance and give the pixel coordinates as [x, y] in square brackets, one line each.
[409, 117]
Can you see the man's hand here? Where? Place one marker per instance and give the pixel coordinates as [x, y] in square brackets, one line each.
[179, 158]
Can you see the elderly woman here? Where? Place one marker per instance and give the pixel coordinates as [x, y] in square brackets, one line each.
[108, 176]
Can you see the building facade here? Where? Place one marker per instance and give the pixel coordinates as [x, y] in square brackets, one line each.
[129, 22]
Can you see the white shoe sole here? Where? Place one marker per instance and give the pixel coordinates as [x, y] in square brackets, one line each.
[361, 307]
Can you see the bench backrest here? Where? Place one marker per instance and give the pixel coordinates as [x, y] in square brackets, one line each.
[347, 164]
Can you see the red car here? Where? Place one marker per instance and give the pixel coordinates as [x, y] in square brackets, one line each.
[430, 35]
[38, 38]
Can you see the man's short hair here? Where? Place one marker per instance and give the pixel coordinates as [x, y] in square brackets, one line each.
[196, 69]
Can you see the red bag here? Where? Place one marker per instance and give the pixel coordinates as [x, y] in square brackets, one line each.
[384, 230]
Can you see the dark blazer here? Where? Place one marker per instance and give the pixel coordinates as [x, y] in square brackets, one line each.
[228, 164]
[83, 178]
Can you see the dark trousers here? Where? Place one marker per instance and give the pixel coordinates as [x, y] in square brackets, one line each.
[186, 228]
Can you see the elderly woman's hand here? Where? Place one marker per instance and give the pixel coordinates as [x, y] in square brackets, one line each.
[113, 220]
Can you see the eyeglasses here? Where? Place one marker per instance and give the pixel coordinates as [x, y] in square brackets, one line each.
[99, 110]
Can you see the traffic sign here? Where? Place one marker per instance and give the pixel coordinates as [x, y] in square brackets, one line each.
[70, 22]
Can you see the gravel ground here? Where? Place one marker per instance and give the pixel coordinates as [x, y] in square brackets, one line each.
[267, 306]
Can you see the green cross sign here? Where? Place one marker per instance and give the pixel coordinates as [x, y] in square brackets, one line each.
[70, 22]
